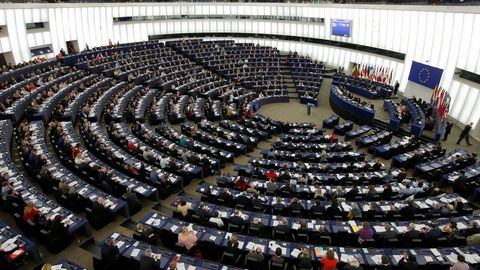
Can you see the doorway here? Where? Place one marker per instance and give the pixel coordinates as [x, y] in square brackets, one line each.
[72, 47]
[6, 58]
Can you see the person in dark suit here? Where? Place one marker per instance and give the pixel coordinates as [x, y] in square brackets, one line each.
[257, 225]
[147, 262]
[232, 245]
[472, 229]
[352, 192]
[202, 213]
[408, 262]
[448, 129]
[412, 233]
[389, 233]
[332, 211]
[132, 199]
[279, 205]
[236, 218]
[57, 229]
[243, 200]
[316, 208]
[146, 233]
[434, 232]
[395, 88]
[109, 250]
[385, 265]
[225, 196]
[256, 202]
[465, 134]
[409, 210]
[295, 206]
[283, 227]
[461, 183]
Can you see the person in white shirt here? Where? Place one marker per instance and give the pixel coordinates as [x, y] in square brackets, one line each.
[217, 219]
[163, 162]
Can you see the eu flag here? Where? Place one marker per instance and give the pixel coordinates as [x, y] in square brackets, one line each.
[425, 75]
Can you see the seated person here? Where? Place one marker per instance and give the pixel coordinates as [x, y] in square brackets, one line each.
[147, 261]
[332, 211]
[232, 245]
[257, 255]
[412, 232]
[98, 208]
[187, 238]
[257, 225]
[472, 229]
[237, 218]
[132, 199]
[365, 232]
[329, 261]
[147, 235]
[277, 258]
[57, 228]
[304, 260]
[202, 213]
[109, 250]
[283, 227]
[434, 232]
[183, 208]
[353, 264]
[216, 219]
[30, 211]
[243, 199]
[295, 206]
[355, 212]
[389, 233]
[257, 202]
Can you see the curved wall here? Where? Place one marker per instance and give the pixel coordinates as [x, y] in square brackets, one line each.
[446, 37]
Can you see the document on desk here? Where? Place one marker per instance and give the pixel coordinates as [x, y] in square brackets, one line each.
[397, 258]
[120, 244]
[295, 252]
[435, 252]
[57, 267]
[150, 221]
[346, 257]
[135, 252]
[452, 257]
[173, 228]
[181, 266]
[115, 236]
[377, 259]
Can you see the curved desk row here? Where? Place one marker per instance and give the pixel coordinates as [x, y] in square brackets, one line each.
[358, 88]
[394, 121]
[258, 102]
[348, 110]
[418, 117]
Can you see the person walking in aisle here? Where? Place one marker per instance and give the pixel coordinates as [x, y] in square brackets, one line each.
[448, 129]
[465, 133]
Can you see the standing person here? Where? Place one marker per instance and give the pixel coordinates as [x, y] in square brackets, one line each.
[448, 129]
[395, 88]
[465, 133]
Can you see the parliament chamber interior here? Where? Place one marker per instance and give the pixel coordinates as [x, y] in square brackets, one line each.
[240, 135]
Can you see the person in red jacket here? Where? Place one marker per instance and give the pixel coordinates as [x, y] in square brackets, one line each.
[272, 175]
[241, 184]
[329, 262]
[30, 211]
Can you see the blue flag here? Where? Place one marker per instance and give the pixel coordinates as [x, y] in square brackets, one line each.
[425, 75]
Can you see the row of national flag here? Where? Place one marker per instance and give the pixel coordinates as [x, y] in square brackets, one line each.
[441, 101]
[373, 73]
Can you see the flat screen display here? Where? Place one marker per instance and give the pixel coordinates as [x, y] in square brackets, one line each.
[341, 27]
